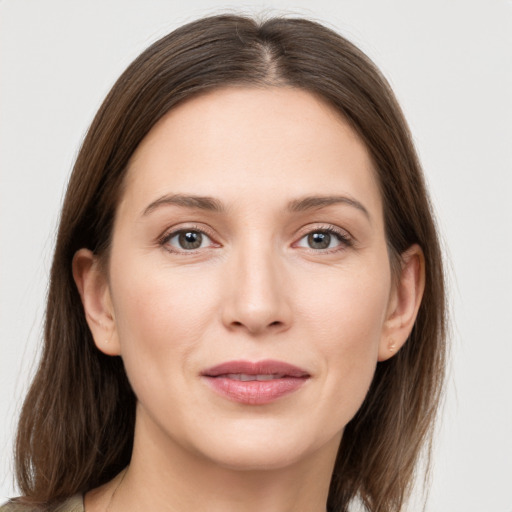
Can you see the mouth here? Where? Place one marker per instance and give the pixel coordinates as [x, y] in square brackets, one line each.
[255, 383]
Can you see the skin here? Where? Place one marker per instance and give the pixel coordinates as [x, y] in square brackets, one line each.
[255, 289]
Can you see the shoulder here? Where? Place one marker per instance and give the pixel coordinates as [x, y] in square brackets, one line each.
[73, 504]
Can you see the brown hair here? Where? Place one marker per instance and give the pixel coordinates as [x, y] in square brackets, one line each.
[76, 426]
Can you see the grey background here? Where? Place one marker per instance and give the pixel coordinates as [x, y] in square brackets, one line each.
[450, 63]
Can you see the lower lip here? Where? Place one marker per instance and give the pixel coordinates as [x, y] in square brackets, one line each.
[255, 392]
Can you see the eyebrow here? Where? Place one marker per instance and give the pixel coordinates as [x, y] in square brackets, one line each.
[195, 202]
[211, 204]
[317, 202]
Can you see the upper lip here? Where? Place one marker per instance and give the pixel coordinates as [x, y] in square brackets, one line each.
[265, 367]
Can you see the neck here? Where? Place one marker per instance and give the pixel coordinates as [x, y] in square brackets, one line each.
[167, 477]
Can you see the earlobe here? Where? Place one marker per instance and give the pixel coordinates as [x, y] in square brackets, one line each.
[93, 288]
[404, 302]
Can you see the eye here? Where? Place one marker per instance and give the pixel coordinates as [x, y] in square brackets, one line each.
[187, 240]
[324, 239]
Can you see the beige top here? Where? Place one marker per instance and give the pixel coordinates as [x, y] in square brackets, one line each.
[73, 504]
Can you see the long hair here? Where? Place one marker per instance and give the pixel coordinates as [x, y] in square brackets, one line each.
[77, 423]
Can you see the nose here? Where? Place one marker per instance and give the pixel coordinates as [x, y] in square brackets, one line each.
[256, 300]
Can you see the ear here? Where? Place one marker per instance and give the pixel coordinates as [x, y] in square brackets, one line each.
[92, 284]
[404, 303]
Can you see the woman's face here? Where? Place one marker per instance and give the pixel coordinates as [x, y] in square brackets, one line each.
[249, 282]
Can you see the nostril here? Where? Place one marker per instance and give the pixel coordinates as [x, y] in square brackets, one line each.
[276, 323]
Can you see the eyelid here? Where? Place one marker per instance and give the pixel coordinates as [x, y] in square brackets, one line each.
[171, 232]
[345, 238]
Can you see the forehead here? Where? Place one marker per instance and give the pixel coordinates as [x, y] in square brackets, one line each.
[242, 143]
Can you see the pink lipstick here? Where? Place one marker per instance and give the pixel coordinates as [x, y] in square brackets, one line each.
[255, 383]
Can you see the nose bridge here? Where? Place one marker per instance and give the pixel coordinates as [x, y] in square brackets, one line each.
[257, 293]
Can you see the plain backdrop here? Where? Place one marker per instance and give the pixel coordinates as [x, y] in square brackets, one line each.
[450, 63]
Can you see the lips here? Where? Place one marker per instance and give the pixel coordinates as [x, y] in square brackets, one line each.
[255, 383]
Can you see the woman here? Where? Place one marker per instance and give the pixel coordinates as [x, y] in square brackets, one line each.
[246, 308]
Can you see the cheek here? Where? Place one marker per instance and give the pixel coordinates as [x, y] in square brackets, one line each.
[160, 318]
[348, 318]
[349, 310]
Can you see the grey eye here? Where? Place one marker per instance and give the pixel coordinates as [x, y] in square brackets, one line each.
[319, 240]
[322, 239]
[189, 240]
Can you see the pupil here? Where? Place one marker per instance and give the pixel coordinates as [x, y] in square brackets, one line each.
[319, 240]
[190, 240]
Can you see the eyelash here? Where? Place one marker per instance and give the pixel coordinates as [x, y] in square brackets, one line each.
[168, 236]
[344, 239]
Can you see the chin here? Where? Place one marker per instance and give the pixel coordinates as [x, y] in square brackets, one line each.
[273, 449]
[256, 458]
